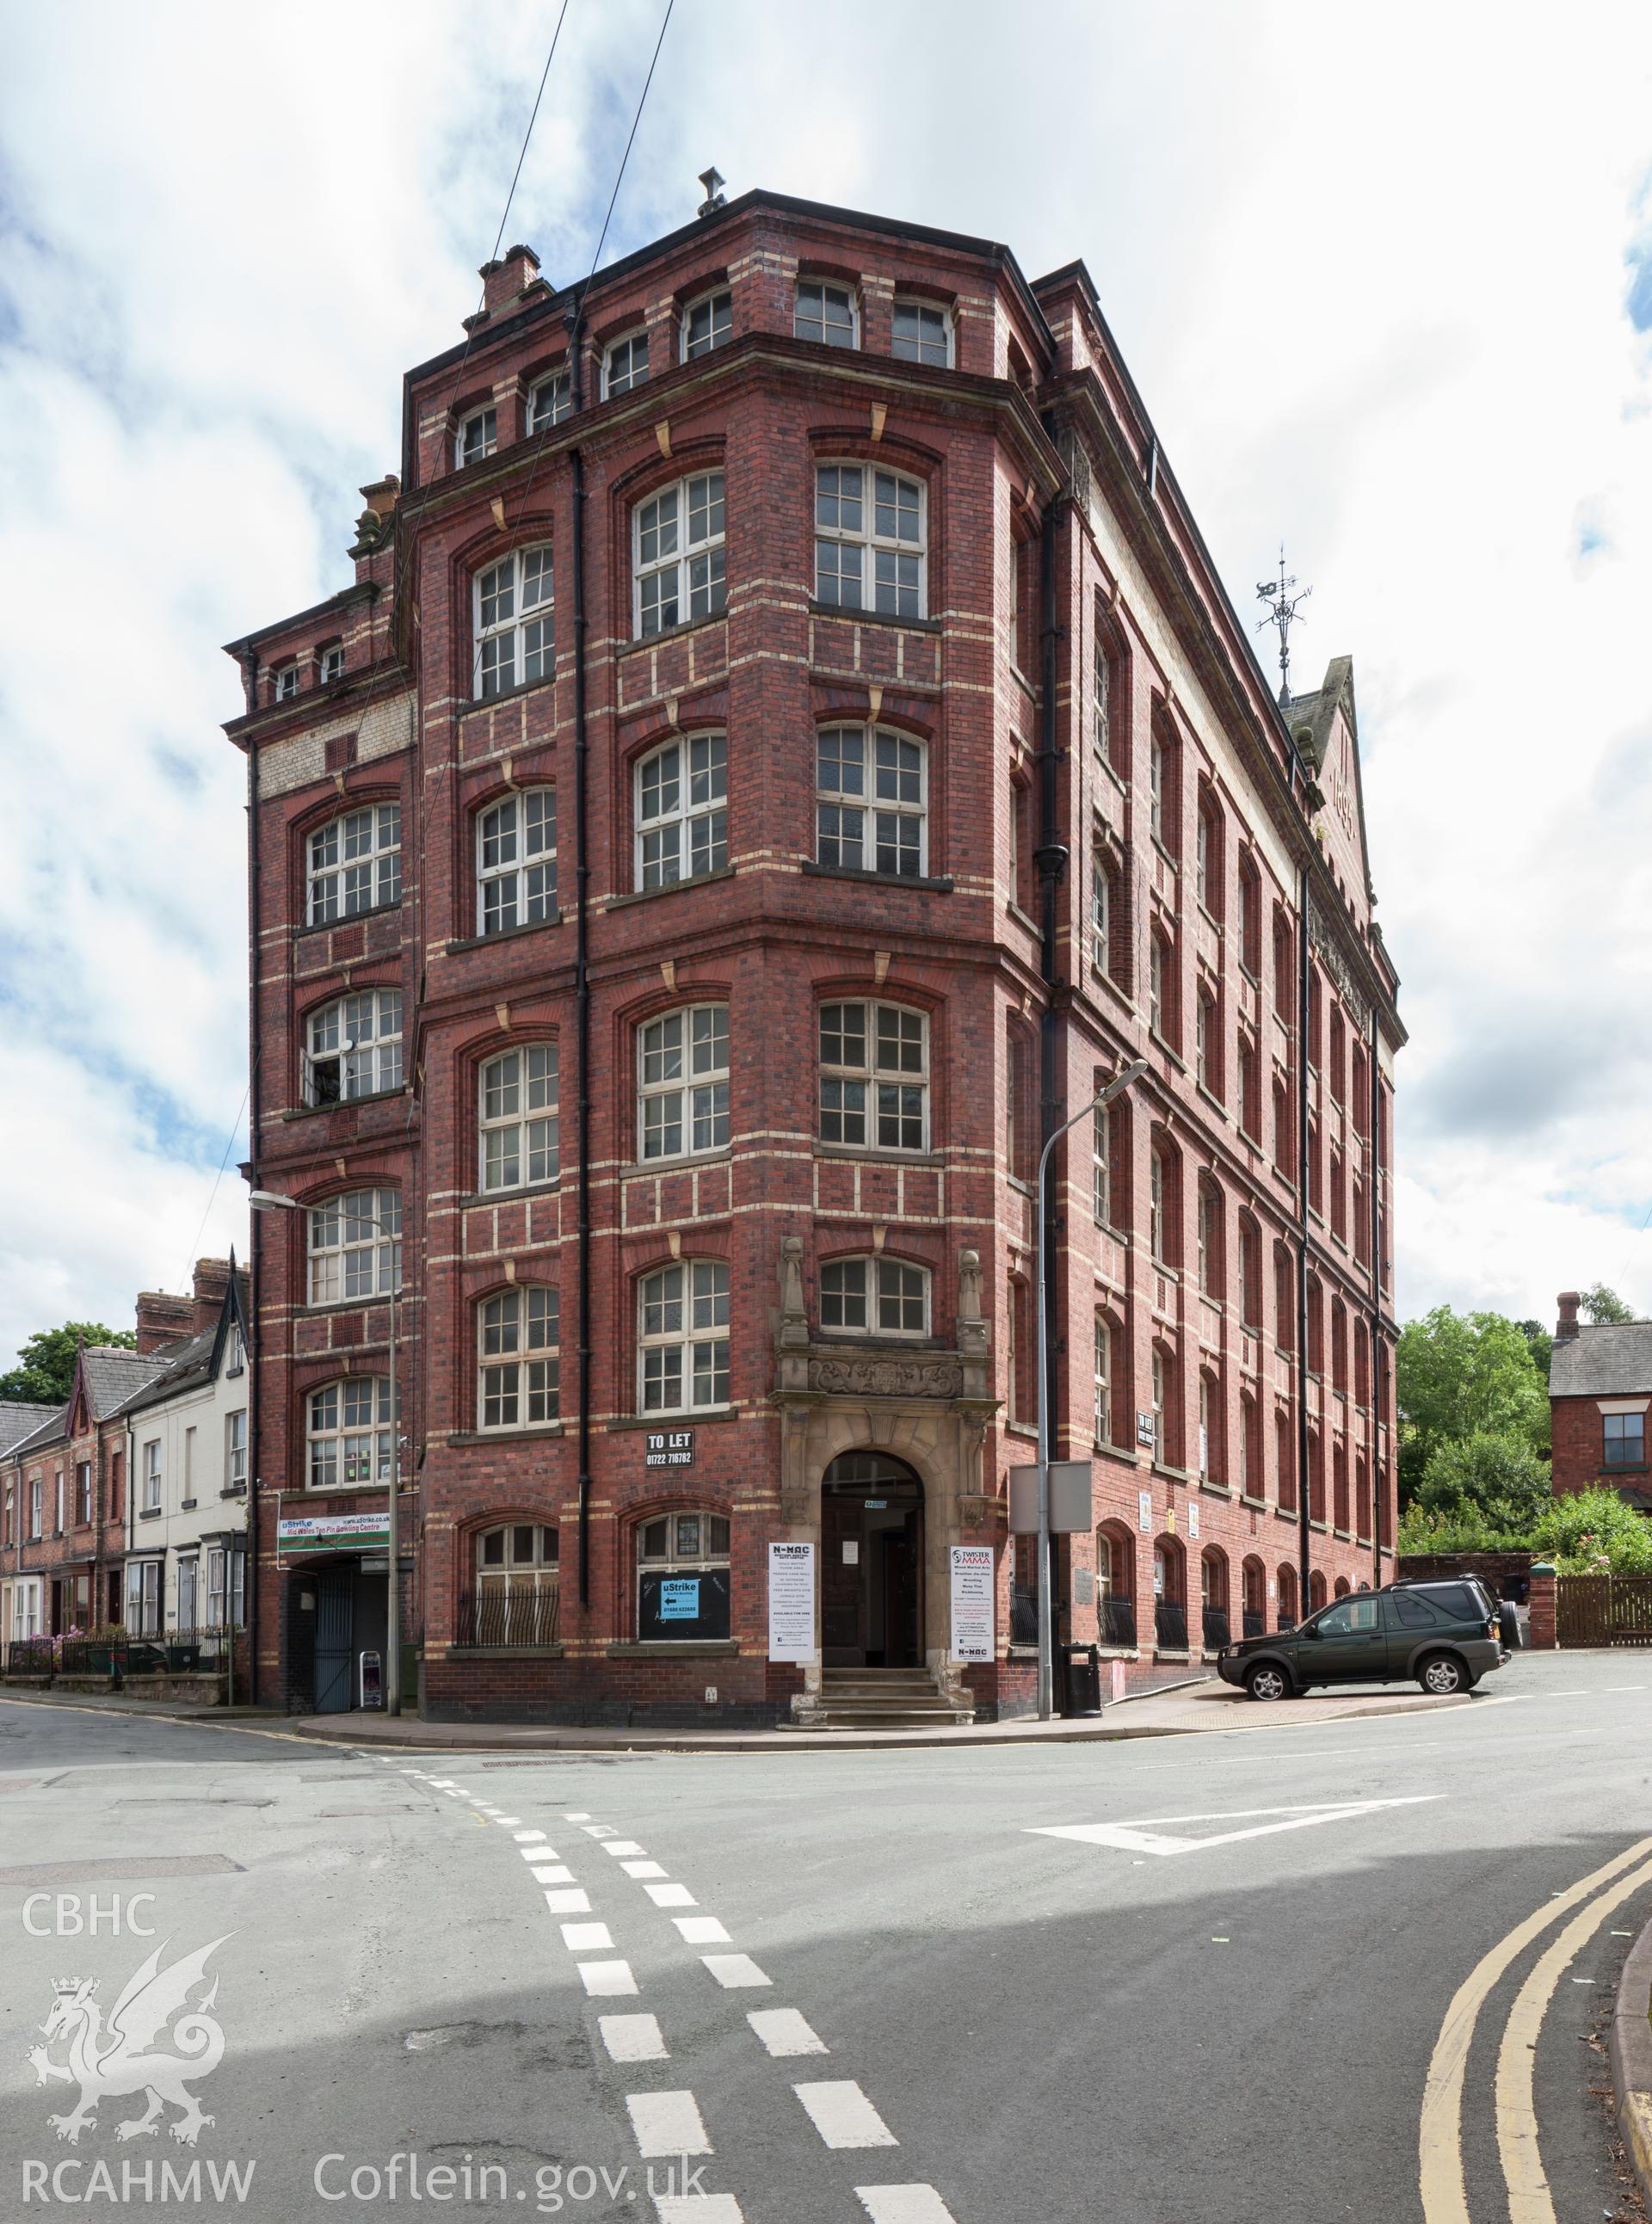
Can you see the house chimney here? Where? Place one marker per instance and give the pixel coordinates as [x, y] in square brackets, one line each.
[163, 1318]
[504, 281]
[211, 1282]
[1566, 1327]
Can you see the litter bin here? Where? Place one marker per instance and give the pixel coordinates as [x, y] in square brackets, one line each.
[1083, 1695]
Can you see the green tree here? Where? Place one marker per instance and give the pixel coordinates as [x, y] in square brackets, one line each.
[1605, 1306]
[45, 1368]
[1458, 1375]
[1493, 1476]
[1582, 1529]
[1540, 1342]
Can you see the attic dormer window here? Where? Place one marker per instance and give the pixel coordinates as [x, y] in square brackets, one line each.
[478, 436]
[286, 682]
[626, 364]
[331, 665]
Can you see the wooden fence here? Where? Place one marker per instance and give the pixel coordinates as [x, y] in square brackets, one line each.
[1603, 1609]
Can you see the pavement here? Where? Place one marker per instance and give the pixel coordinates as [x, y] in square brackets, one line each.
[1176, 1710]
[1331, 1966]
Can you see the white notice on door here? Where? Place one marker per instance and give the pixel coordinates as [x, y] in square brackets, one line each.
[852, 1551]
[974, 1593]
[791, 1602]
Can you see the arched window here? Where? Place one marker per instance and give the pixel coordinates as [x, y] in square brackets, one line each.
[1250, 1290]
[1338, 1345]
[1285, 1460]
[519, 1117]
[678, 555]
[518, 1361]
[1318, 1591]
[1340, 1508]
[1343, 1587]
[1337, 1058]
[872, 801]
[355, 1246]
[515, 603]
[683, 1336]
[1116, 1585]
[881, 1297]
[1207, 1040]
[1287, 1613]
[682, 1577]
[1284, 974]
[1164, 1203]
[1213, 1461]
[1165, 1418]
[354, 864]
[707, 323]
[1254, 1579]
[1210, 858]
[1284, 1131]
[515, 861]
[1213, 1599]
[1109, 727]
[1361, 1367]
[874, 1077]
[682, 1082]
[1163, 988]
[354, 1047]
[1157, 783]
[1102, 1382]
[478, 436]
[1252, 1481]
[1250, 915]
[1284, 1299]
[1021, 1133]
[348, 1433]
[1315, 1475]
[682, 816]
[825, 314]
[624, 364]
[1169, 1595]
[1249, 1088]
[921, 333]
[518, 1598]
[1101, 910]
[1315, 1325]
[870, 540]
[1212, 1275]
[1101, 1166]
[1362, 1500]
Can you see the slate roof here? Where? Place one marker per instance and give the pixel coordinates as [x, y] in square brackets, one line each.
[113, 1375]
[52, 1421]
[189, 1363]
[1611, 1361]
[19, 1421]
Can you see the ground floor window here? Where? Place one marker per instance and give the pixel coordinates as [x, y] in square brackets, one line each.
[143, 1598]
[517, 1599]
[26, 1610]
[682, 1577]
[226, 1580]
[188, 1582]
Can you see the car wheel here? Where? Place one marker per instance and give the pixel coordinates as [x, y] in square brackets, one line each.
[1267, 1680]
[1442, 1675]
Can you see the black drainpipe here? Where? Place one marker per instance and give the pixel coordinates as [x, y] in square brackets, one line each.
[581, 955]
[1050, 859]
[1303, 1502]
[250, 666]
[1378, 1369]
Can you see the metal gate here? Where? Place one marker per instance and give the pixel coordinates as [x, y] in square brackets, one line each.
[1603, 1609]
[334, 1629]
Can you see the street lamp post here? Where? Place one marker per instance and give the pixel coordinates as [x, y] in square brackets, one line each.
[265, 1200]
[1120, 1081]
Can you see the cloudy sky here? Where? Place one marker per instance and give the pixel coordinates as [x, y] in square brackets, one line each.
[1385, 281]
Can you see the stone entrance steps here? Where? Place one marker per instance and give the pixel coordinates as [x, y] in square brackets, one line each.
[884, 1699]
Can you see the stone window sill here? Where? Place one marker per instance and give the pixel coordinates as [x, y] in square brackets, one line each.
[456, 1436]
[865, 1153]
[692, 1418]
[145, 1513]
[505, 934]
[873, 617]
[688, 1648]
[330, 926]
[670, 887]
[938, 884]
[671, 633]
[682, 1163]
[346, 1103]
[504, 1652]
[510, 1196]
[505, 695]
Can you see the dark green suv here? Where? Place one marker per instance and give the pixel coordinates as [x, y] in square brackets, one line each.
[1443, 1634]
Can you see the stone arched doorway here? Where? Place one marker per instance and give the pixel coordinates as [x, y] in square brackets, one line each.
[872, 1563]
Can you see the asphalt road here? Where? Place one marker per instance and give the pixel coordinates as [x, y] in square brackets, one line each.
[1216, 2017]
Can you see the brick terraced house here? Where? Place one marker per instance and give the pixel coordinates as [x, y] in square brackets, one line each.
[1600, 1395]
[785, 745]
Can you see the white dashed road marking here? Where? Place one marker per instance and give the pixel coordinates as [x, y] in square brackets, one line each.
[698, 2208]
[701, 1929]
[600, 1830]
[1150, 1835]
[510, 1822]
[643, 1868]
[537, 1853]
[621, 1845]
[526, 1837]
[632, 2037]
[586, 1937]
[670, 1895]
[844, 2116]
[732, 1971]
[784, 2032]
[582, 1816]
[904, 2204]
[573, 1902]
[553, 1874]
[667, 2123]
[607, 1980]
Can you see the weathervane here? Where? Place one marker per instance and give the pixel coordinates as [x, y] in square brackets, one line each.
[1282, 607]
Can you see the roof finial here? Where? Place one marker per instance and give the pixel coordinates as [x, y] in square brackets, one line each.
[1282, 607]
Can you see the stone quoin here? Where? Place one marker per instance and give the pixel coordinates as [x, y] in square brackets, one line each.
[786, 746]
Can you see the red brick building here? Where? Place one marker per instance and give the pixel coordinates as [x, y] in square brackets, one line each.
[1600, 1392]
[784, 744]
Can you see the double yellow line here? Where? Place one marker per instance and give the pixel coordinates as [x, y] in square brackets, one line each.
[1445, 2195]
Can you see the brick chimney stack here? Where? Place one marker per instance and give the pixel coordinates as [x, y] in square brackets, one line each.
[1566, 1327]
[506, 281]
[211, 1281]
[163, 1318]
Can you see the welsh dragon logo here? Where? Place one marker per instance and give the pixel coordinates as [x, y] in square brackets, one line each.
[115, 2062]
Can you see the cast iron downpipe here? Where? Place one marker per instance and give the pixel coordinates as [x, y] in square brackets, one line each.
[581, 950]
[1051, 860]
[255, 928]
[1303, 1502]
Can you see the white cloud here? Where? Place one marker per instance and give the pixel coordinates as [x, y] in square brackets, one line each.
[1368, 268]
